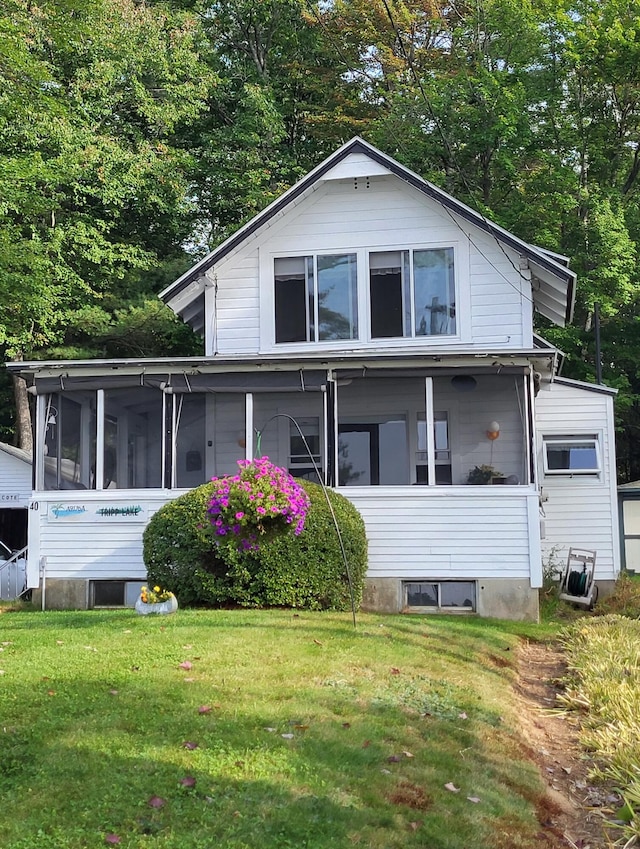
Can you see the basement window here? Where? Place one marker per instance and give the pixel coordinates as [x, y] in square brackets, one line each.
[114, 593]
[445, 596]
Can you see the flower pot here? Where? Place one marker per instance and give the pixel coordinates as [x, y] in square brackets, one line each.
[168, 606]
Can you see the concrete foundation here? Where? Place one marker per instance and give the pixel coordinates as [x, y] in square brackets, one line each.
[502, 599]
[63, 594]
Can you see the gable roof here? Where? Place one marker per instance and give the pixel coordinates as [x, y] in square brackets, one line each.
[553, 282]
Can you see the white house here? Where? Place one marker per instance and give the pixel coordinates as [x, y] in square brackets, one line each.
[395, 325]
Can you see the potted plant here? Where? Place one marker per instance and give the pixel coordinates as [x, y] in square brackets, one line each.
[156, 600]
[482, 475]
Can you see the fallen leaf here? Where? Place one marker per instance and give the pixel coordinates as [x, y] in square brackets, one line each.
[462, 715]
[156, 802]
[189, 680]
[395, 670]
[386, 771]
[188, 781]
[239, 764]
[393, 759]
[186, 664]
[51, 692]
[187, 647]
[301, 727]
[366, 744]
[127, 631]
[60, 643]
[473, 799]
[288, 736]
[346, 725]
[567, 769]
[317, 642]
[414, 826]
[113, 692]
[2, 672]
[204, 709]
[269, 728]
[112, 838]
[451, 787]
[190, 745]
[407, 754]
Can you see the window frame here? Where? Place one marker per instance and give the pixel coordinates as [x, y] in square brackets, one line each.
[572, 439]
[267, 297]
[407, 264]
[440, 608]
[312, 290]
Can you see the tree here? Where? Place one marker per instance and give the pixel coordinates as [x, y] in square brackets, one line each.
[94, 190]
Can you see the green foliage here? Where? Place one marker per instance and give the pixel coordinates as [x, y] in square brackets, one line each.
[625, 599]
[305, 571]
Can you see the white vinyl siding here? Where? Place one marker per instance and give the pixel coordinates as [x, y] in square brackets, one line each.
[15, 480]
[233, 308]
[448, 533]
[580, 510]
[115, 551]
[493, 297]
[413, 533]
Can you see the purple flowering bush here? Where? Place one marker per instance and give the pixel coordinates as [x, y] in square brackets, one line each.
[306, 570]
[255, 505]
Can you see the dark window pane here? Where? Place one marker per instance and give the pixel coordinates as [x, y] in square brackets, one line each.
[386, 305]
[108, 593]
[291, 313]
[422, 595]
[458, 594]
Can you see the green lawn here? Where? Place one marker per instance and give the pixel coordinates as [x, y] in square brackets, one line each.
[298, 731]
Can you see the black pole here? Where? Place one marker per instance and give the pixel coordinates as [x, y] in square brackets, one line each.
[596, 319]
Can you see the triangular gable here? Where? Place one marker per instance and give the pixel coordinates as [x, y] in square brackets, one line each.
[554, 283]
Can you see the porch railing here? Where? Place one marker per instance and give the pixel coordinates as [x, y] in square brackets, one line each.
[13, 575]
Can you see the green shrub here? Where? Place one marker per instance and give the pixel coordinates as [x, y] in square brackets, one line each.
[305, 571]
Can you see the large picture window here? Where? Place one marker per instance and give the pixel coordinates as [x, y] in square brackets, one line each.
[412, 293]
[316, 298]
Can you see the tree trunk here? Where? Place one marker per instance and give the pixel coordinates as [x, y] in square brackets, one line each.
[24, 431]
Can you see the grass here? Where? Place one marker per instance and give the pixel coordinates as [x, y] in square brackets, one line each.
[301, 732]
[603, 652]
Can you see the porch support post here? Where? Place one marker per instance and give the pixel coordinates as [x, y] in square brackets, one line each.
[100, 439]
[172, 433]
[248, 426]
[429, 423]
[331, 425]
[37, 473]
[530, 430]
[168, 437]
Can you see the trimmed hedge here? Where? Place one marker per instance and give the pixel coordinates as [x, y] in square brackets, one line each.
[305, 571]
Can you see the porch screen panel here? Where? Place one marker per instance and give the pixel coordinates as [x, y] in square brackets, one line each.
[133, 438]
[190, 450]
[70, 441]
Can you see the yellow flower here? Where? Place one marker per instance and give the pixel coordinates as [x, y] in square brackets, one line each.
[156, 589]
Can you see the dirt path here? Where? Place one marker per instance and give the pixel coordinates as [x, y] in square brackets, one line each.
[573, 812]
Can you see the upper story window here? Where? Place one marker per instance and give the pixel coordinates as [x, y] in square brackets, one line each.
[571, 455]
[412, 293]
[316, 298]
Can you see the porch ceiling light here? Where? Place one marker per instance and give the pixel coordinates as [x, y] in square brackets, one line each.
[464, 383]
[493, 431]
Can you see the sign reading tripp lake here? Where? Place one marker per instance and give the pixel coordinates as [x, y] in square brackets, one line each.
[96, 512]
